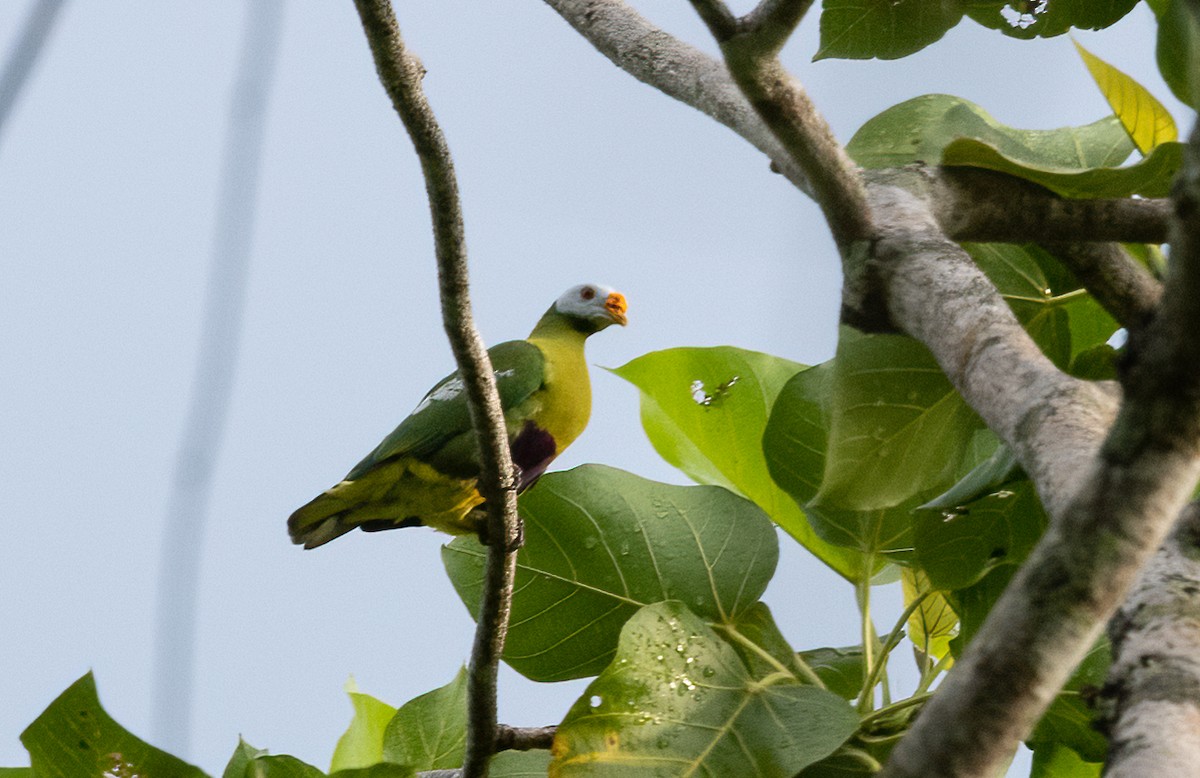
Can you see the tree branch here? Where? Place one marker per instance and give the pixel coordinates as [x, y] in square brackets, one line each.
[783, 105]
[1115, 279]
[525, 738]
[1152, 697]
[1124, 501]
[401, 74]
[986, 206]
[678, 70]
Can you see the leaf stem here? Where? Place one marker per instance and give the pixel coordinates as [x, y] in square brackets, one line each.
[874, 668]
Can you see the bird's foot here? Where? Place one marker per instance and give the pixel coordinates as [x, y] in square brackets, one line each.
[480, 517]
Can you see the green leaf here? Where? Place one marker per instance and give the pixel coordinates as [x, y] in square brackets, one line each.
[794, 444]
[705, 410]
[756, 638]
[988, 476]
[1051, 304]
[1051, 760]
[16, 772]
[1145, 119]
[381, 770]
[599, 544]
[887, 29]
[898, 428]
[1069, 719]
[922, 129]
[430, 732]
[75, 737]
[1039, 19]
[243, 755]
[362, 743]
[957, 546]
[1176, 50]
[842, 670]
[678, 700]
[281, 766]
[520, 764]
[1151, 177]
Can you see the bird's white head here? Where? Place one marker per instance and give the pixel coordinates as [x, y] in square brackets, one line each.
[596, 304]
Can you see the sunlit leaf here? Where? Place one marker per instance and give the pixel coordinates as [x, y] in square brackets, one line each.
[75, 737]
[429, 732]
[1145, 119]
[932, 625]
[361, 744]
[886, 29]
[705, 410]
[599, 544]
[677, 700]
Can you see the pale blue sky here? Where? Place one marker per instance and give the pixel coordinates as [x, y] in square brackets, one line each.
[570, 170]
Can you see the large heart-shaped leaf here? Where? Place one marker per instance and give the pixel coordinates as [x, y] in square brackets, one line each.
[677, 700]
[898, 428]
[599, 544]
[705, 410]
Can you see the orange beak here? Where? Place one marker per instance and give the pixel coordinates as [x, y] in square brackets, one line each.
[616, 307]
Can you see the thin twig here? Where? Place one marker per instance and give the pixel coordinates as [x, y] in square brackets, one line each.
[524, 738]
[785, 108]
[31, 42]
[401, 74]
[212, 385]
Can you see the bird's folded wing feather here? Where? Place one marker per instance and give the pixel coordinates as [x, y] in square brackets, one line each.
[442, 415]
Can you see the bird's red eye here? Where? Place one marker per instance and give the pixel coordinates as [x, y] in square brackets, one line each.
[587, 293]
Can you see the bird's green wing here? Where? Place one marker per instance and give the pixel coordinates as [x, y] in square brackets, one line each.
[442, 415]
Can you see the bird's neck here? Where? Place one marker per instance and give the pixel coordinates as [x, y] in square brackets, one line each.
[553, 326]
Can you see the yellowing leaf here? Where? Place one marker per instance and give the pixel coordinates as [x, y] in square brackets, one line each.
[934, 622]
[1142, 115]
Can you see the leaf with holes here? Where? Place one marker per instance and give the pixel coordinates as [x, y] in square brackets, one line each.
[1047, 18]
[74, 737]
[705, 410]
[599, 544]
[956, 546]
[677, 700]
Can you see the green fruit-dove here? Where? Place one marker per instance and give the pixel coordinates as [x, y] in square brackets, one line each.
[425, 472]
